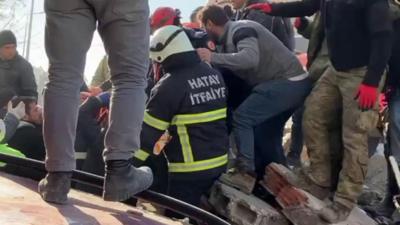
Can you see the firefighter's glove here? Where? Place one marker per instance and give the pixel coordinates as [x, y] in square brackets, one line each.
[264, 7]
[366, 96]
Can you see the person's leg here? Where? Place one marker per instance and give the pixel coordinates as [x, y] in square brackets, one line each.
[67, 54]
[320, 116]
[296, 139]
[266, 101]
[356, 125]
[268, 142]
[124, 28]
[189, 191]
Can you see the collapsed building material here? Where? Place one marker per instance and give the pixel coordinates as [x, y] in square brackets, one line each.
[243, 209]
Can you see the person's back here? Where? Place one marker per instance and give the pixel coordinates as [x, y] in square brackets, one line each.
[280, 27]
[196, 98]
[275, 60]
[190, 103]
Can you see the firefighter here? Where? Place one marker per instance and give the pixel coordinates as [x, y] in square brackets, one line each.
[190, 103]
[358, 34]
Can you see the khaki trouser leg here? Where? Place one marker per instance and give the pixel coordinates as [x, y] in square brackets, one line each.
[355, 128]
[319, 118]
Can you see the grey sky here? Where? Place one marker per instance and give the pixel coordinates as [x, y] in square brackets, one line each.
[96, 52]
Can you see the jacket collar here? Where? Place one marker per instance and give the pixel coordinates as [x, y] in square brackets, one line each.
[180, 60]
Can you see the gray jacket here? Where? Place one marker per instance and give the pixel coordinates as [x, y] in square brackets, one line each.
[255, 54]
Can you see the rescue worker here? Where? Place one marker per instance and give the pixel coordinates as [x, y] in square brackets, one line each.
[190, 103]
[280, 27]
[317, 63]
[358, 34]
[124, 28]
[386, 208]
[16, 74]
[279, 83]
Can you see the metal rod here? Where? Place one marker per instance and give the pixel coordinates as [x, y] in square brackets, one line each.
[28, 45]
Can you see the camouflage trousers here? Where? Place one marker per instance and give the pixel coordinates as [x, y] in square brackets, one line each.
[336, 133]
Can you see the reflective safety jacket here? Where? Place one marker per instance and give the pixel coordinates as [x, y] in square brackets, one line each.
[190, 102]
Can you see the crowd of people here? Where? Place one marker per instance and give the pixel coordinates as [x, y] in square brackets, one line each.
[219, 92]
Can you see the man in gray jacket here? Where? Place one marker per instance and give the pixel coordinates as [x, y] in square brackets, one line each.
[279, 84]
[124, 28]
[16, 74]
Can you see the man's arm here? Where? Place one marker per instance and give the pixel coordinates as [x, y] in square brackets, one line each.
[247, 56]
[380, 29]
[289, 9]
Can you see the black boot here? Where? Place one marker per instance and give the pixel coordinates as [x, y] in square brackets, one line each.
[55, 186]
[123, 180]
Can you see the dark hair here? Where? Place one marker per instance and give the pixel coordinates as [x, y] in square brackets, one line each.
[214, 14]
[194, 15]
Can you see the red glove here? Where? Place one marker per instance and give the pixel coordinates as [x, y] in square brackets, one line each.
[366, 96]
[264, 7]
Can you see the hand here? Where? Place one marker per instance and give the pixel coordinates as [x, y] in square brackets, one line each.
[95, 90]
[18, 111]
[383, 103]
[204, 54]
[264, 7]
[85, 95]
[367, 96]
[297, 22]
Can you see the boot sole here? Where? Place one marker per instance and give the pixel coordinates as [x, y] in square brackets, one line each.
[53, 197]
[277, 182]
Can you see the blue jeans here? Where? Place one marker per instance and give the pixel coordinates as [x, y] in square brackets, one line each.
[296, 145]
[266, 101]
[394, 124]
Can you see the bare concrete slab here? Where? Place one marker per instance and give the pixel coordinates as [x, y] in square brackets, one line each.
[21, 205]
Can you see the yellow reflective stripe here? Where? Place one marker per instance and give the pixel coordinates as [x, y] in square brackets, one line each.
[185, 143]
[199, 165]
[154, 122]
[141, 155]
[80, 155]
[199, 117]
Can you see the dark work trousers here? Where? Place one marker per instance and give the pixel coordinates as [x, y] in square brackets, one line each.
[124, 28]
[189, 191]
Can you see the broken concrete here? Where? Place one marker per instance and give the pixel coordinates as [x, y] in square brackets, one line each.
[243, 209]
[303, 212]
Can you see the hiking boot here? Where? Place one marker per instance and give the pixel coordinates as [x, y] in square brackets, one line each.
[122, 180]
[239, 179]
[55, 186]
[334, 213]
[383, 209]
[278, 177]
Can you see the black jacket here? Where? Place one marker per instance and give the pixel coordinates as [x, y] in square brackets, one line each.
[394, 62]
[18, 75]
[358, 32]
[189, 102]
[280, 27]
[28, 139]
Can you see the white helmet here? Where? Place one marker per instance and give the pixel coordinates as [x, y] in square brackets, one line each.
[167, 41]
